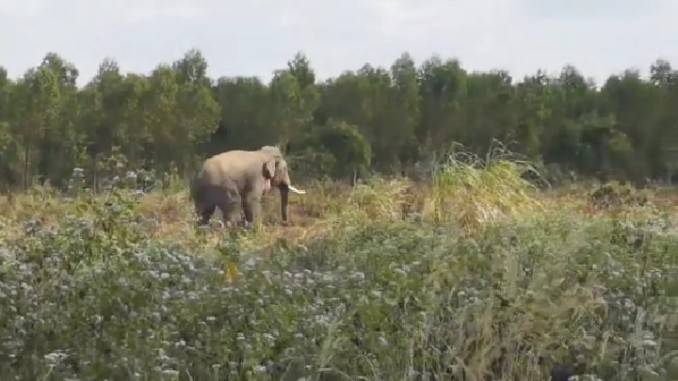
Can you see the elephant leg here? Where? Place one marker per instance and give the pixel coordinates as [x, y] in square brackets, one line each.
[243, 208]
[205, 213]
[231, 213]
[230, 207]
[252, 207]
[204, 206]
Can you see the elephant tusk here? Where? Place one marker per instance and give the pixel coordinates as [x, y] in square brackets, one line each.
[295, 190]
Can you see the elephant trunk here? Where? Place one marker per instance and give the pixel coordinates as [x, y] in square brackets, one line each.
[284, 194]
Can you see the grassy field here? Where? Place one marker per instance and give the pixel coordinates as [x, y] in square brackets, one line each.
[472, 275]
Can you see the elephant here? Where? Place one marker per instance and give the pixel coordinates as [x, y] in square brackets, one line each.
[237, 179]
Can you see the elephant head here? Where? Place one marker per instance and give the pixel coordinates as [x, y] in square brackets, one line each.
[276, 173]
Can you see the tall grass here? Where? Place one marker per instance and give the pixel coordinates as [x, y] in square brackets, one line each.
[476, 192]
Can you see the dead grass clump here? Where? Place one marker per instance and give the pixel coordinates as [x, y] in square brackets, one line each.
[473, 192]
[614, 195]
[378, 199]
[167, 208]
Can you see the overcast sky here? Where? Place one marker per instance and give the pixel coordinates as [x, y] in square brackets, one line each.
[255, 37]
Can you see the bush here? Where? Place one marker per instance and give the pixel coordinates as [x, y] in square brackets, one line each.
[311, 164]
[348, 145]
[336, 150]
[614, 195]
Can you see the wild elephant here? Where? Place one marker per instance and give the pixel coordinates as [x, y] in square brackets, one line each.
[237, 179]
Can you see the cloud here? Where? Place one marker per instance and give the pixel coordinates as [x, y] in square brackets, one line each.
[24, 8]
[147, 10]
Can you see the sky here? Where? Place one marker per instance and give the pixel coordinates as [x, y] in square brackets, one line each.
[256, 37]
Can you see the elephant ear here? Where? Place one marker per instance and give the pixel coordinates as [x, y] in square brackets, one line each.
[269, 169]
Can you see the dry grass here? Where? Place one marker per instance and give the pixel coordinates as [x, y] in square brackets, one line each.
[475, 193]
[467, 195]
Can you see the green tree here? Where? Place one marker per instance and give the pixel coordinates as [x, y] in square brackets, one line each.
[5, 89]
[488, 110]
[571, 100]
[192, 68]
[135, 89]
[245, 105]
[294, 100]
[180, 112]
[35, 102]
[110, 116]
[300, 68]
[59, 143]
[348, 146]
[198, 110]
[661, 73]
[533, 111]
[366, 99]
[443, 88]
[402, 113]
[404, 110]
[7, 155]
[637, 106]
[101, 102]
[165, 138]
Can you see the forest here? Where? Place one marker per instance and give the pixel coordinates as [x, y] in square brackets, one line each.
[370, 120]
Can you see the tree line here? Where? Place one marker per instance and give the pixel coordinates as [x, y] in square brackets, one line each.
[371, 119]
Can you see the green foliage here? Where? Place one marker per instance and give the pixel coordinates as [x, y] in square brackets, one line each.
[443, 89]
[293, 99]
[244, 104]
[312, 164]
[180, 112]
[350, 152]
[177, 115]
[42, 120]
[300, 68]
[108, 113]
[5, 137]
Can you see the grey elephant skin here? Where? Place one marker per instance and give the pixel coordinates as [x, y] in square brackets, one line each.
[237, 179]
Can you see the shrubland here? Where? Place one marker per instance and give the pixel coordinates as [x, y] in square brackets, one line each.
[472, 274]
